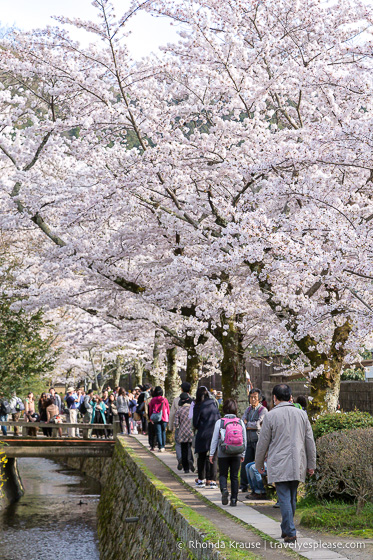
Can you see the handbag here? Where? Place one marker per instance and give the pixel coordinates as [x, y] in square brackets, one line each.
[156, 417]
[136, 416]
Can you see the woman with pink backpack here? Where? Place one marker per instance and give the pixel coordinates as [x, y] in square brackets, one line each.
[230, 439]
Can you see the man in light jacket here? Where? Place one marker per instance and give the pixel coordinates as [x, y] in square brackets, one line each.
[287, 438]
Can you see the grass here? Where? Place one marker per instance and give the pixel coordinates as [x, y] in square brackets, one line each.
[336, 517]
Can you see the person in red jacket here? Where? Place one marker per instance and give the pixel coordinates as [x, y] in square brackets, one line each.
[159, 413]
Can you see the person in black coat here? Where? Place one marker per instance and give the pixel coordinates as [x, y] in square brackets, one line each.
[205, 415]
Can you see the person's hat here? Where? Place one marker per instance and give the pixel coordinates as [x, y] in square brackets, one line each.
[184, 398]
[70, 389]
[137, 388]
[185, 387]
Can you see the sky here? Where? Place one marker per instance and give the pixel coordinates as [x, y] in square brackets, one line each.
[148, 33]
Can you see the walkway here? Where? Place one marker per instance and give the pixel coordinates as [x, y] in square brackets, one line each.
[307, 547]
[237, 534]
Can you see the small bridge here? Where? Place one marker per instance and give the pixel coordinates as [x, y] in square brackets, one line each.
[42, 446]
[57, 447]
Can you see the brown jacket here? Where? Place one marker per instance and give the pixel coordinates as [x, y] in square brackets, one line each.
[52, 410]
[287, 437]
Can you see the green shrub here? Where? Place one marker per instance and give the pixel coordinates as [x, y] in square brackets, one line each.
[336, 421]
[345, 465]
[353, 375]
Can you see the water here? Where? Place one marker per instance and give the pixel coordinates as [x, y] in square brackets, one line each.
[55, 519]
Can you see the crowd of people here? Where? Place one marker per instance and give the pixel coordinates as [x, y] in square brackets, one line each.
[277, 444]
[210, 437]
[76, 406]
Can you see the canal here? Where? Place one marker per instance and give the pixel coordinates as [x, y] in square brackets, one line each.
[55, 519]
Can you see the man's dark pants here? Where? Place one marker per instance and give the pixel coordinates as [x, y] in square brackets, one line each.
[287, 497]
[249, 458]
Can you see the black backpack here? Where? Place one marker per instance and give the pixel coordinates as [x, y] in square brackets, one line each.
[82, 408]
[5, 408]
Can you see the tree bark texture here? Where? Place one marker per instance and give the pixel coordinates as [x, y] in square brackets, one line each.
[172, 381]
[233, 368]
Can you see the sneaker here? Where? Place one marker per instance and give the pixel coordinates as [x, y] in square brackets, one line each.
[179, 465]
[251, 496]
[233, 502]
[200, 484]
[242, 489]
[186, 472]
[162, 450]
[213, 485]
[261, 496]
[224, 497]
[277, 505]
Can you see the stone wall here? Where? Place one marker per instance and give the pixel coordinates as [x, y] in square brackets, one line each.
[354, 394]
[95, 467]
[132, 491]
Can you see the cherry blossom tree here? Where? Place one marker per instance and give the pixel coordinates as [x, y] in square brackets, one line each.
[225, 187]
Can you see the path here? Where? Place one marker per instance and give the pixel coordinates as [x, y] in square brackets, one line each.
[365, 553]
[233, 531]
[307, 546]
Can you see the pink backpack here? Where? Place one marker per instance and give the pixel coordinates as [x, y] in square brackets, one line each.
[232, 441]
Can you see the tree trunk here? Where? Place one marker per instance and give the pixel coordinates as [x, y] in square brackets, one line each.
[325, 390]
[233, 368]
[193, 369]
[139, 371]
[118, 371]
[172, 382]
[194, 360]
[155, 375]
[325, 387]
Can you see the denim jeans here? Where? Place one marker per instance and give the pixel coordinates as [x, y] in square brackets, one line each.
[287, 497]
[249, 458]
[4, 418]
[255, 479]
[161, 433]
